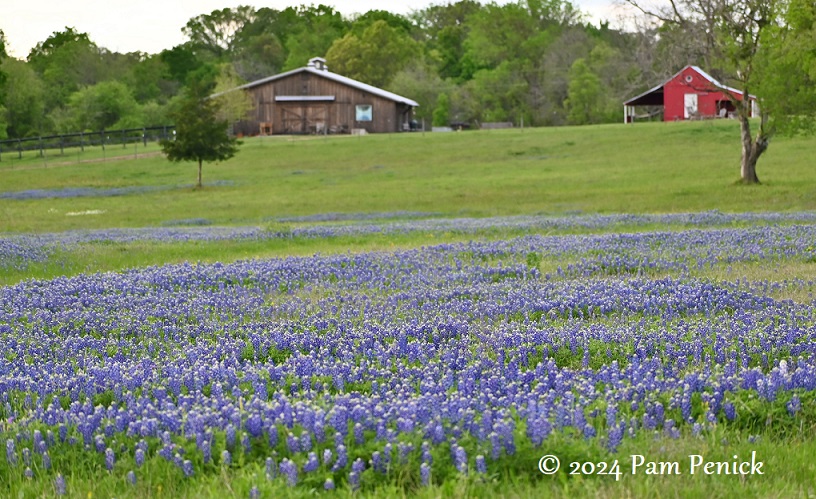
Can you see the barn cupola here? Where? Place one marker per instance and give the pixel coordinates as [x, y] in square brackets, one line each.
[318, 63]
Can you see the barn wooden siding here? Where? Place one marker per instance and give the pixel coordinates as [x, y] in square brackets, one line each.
[327, 106]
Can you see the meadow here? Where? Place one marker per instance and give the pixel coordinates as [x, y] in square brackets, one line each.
[414, 315]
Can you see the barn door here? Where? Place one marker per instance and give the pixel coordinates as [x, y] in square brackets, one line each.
[689, 106]
[301, 118]
[293, 119]
[316, 118]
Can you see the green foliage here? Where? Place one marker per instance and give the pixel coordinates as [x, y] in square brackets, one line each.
[200, 136]
[374, 56]
[446, 27]
[181, 61]
[66, 61]
[585, 93]
[420, 81]
[786, 71]
[312, 30]
[216, 33]
[441, 113]
[233, 105]
[106, 105]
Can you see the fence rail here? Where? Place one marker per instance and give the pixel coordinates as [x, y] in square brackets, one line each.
[104, 138]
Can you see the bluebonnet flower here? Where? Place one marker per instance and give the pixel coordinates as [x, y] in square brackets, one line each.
[271, 468]
[425, 474]
[794, 405]
[461, 460]
[342, 458]
[226, 457]
[110, 458]
[305, 441]
[292, 443]
[131, 477]
[230, 436]
[312, 463]
[614, 438]
[354, 480]
[11, 454]
[481, 465]
[289, 469]
[328, 484]
[59, 485]
[427, 457]
[730, 411]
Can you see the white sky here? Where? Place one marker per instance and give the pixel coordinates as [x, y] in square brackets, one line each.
[154, 25]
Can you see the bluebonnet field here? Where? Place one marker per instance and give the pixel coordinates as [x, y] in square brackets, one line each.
[411, 367]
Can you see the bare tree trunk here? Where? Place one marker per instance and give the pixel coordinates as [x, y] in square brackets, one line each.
[199, 173]
[752, 148]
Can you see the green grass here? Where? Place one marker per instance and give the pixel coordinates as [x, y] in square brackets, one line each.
[787, 467]
[644, 168]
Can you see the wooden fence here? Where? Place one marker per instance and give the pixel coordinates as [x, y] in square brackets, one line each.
[81, 140]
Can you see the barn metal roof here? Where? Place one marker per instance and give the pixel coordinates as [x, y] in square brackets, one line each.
[335, 77]
[645, 100]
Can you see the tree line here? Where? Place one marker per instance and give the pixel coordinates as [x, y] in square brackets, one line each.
[536, 61]
[533, 60]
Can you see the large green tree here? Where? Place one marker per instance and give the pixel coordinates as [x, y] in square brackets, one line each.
[200, 135]
[216, 33]
[375, 56]
[23, 100]
[443, 29]
[312, 34]
[66, 61]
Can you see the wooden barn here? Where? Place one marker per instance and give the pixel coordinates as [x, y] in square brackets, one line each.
[690, 94]
[313, 100]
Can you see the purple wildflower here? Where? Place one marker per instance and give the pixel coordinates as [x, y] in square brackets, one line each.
[481, 465]
[59, 485]
[425, 474]
[110, 459]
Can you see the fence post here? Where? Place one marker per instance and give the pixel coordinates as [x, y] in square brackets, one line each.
[102, 135]
[144, 136]
[124, 141]
[42, 153]
[62, 152]
[19, 149]
[81, 142]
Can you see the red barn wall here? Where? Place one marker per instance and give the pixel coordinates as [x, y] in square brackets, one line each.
[690, 81]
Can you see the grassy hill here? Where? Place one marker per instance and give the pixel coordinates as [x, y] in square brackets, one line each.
[643, 168]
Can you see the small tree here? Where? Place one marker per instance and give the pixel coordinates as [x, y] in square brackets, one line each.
[200, 136]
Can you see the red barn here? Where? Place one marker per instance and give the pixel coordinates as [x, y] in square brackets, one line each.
[690, 94]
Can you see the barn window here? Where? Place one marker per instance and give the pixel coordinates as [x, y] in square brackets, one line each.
[364, 112]
[688, 78]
